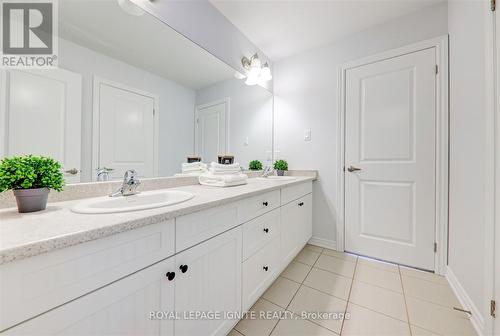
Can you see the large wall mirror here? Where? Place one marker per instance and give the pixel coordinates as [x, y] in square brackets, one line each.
[131, 93]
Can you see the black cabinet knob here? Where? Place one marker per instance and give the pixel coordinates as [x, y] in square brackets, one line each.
[266, 268]
[170, 276]
[301, 203]
[265, 203]
[183, 268]
[266, 230]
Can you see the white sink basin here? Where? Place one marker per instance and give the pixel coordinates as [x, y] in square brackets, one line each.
[142, 201]
[278, 178]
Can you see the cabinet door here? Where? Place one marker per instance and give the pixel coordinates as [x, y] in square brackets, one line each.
[290, 236]
[121, 308]
[296, 227]
[305, 224]
[211, 282]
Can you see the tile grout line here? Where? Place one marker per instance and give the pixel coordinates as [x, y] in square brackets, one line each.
[404, 298]
[349, 295]
[293, 297]
[302, 285]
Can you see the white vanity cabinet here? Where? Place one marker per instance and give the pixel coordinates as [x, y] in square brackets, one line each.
[204, 278]
[154, 280]
[121, 308]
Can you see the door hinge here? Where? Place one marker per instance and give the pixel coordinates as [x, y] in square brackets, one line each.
[437, 69]
[493, 308]
[435, 247]
[154, 111]
[493, 5]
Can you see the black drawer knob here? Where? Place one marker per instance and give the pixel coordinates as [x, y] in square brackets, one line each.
[183, 268]
[265, 203]
[266, 230]
[266, 268]
[301, 203]
[170, 276]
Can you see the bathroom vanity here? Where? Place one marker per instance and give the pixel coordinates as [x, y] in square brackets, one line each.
[175, 270]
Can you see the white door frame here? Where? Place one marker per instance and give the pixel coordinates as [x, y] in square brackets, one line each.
[442, 125]
[227, 102]
[492, 248]
[96, 99]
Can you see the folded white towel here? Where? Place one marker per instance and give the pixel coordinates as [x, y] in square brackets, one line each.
[194, 167]
[225, 172]
[210, 179]
[218, 166]
[220, 169]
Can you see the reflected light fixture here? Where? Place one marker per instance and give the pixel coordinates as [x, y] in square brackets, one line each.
[256, 73]
[130, 8]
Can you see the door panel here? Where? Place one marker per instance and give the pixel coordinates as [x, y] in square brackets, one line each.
[390, 136]
[43, 116]
[126, 131]
[211, 283]
[211, 131]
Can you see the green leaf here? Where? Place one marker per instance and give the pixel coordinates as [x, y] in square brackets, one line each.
[30, 172]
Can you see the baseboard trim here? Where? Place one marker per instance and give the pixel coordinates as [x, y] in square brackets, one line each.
[466, 302]
[330, 244]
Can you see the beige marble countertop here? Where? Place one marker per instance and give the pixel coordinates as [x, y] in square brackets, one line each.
[26, 235]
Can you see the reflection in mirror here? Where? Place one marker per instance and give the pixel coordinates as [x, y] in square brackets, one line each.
[130, 93]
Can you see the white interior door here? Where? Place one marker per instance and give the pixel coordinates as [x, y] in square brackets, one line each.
[211, 130]
[390, 135]
[126, 131]
[40, 114]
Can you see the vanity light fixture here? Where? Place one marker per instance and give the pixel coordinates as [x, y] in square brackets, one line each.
[256, 73]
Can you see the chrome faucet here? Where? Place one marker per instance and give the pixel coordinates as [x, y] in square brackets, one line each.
[129, 186]
[103, 174]
[268, 170]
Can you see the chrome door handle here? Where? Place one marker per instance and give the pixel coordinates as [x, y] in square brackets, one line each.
[72, 171]
[352, 169]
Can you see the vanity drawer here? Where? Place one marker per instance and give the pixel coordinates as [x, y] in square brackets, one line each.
[258, 205]
[194, 228]
[260, 231]
[37, 284]
[256, 279]
[296, 191]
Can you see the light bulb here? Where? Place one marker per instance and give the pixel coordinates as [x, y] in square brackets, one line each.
[265, 73]
[253, 76]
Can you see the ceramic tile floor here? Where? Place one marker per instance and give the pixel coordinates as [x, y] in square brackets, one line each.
[380, 299]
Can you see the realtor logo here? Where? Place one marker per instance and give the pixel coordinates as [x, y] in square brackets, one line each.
[29, 33]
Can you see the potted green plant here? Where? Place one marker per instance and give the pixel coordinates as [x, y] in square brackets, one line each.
[280, 166]
[255, 165]
[31, 178]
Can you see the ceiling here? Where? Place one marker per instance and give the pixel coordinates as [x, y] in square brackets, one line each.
[281, 28]
[141, 41]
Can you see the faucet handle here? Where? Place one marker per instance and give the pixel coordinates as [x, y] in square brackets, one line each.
[130, 175]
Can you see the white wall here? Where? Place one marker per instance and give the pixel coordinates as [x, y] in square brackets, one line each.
[468, 124]
[305, 88]
[176, 104]
[251, 116]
